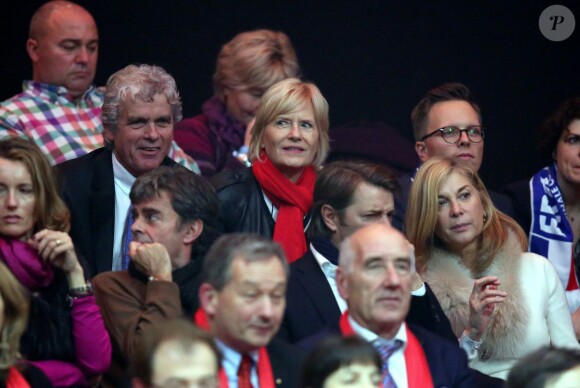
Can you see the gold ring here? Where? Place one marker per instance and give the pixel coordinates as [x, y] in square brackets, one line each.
[58, 242]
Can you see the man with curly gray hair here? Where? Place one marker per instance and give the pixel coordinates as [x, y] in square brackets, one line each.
[140, 109]
[59, 108]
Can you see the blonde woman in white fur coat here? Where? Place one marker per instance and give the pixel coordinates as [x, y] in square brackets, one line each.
[502, 303]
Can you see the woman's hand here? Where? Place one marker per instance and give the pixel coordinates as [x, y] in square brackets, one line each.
[57, 248]
[482, 301]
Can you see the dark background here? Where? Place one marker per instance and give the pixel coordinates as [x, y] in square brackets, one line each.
[372, 59]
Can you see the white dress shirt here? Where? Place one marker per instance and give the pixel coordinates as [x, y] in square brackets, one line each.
[123, 182]
[231, 363]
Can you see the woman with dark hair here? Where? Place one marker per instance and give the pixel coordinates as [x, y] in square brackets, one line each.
[289, 141]
[246, 67]
[340, 362]
[65, 336]
[503, 302]
[548, 205]
[14, 306]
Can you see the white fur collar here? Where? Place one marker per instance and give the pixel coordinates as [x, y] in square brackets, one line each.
[452, 283]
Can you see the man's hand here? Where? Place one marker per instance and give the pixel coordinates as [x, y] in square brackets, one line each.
[152, 259]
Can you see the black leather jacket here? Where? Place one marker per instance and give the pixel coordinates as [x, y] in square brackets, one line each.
[242, 204]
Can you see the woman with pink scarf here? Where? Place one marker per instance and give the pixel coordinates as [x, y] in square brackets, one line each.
[65, 337]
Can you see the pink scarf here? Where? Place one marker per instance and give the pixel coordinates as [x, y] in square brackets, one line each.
[25, 264]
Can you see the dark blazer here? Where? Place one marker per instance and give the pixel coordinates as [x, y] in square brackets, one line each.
[519, 194]
[88, 189]
[311, 306]
[501, 201]
[310, 303]
[286, 361]
[447, 361]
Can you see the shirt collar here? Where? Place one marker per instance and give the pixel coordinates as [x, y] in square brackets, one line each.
[369, 336]
[232, 357]
[91, 96]
[122, 176]
[318, 256]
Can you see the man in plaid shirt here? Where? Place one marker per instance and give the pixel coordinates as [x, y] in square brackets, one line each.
[60, 108]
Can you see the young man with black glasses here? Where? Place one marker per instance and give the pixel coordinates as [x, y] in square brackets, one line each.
[447, 123]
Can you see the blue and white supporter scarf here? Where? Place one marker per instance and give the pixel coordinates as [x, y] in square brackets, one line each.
[550, 233]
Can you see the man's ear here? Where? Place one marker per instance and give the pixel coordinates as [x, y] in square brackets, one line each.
[422, 151]
[330, 217]
[108, 135]
[194, 230]
[341, 283]
[32, 49]
[208, 299]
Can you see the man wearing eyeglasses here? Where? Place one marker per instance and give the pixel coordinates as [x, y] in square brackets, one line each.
[447, 123]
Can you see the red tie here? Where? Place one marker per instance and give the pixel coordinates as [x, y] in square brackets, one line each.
[245, 372]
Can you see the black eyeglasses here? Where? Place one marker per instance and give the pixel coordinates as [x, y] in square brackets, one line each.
[451, 135]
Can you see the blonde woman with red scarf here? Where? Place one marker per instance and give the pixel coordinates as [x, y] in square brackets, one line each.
[289, 141]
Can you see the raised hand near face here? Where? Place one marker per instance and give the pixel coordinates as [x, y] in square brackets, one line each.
[57, 248]
[482, 301]
[152, 259]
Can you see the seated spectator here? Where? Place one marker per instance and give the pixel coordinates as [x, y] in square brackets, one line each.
[502, 302]
[14, 307]
[65, 337]
[59, 108]
[141, 106]
[340, 362]
[547, 367]
[375, 277]
[289, 140]
[548, 204]
[175, 212]
[347, 196]
[447, 123]
[175, 353]
[244, 281]
[246, 67]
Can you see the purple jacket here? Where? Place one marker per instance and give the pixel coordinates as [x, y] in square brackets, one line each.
[211, 137]
[92, 348]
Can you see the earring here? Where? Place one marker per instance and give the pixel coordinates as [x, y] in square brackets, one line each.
[484, 218]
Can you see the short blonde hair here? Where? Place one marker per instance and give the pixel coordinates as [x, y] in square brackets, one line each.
[283, 98]
[255, 59]
[423, 212]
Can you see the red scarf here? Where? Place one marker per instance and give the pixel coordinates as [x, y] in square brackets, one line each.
[16, 380]
[418, 373]
[293, 201]
[265, 374]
